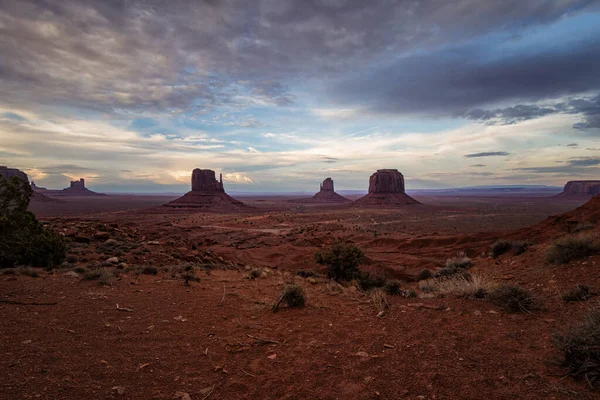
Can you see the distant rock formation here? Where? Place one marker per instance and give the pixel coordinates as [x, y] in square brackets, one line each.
[206, 192]
[386, 188]
[581, 189]
[328, 195]
[76, 188]
[10, 172]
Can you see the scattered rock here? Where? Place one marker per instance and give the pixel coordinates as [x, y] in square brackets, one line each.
[182, 396]
[26, 342]
[110, 242]
[363, 354]
[82, 239]
[153, 243]
[72, 274]
[119, 389]
[113, 260]
[101, 235]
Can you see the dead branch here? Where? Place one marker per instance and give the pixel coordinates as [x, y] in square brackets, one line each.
[124, 309]
[264, 341]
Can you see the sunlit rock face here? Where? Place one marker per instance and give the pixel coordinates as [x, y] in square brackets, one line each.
[582, 188]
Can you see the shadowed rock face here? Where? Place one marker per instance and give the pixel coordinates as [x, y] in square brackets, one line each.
[10, 172]
[78, 185]
[386, 189]
[327, 185]
[207, 193]
[204, 180]
[386, 181]
[582, 188]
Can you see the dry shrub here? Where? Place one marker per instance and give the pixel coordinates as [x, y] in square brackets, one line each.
[502, 246]
[514, 298]
[424, 274]
[571, 248]
[459, 262]
[580, 293]
[27, 271]
[307, 273]
[101, 275]
[380, 300]
[473, 286]
[292, 295]
[581, 349]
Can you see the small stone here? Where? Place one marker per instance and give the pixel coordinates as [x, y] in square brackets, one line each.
[110, 242]
[26, 342]
[272, 356]
[119, 389]
[82, 239]
[113, 260]
[477, 313]
[154, 243]
[362, 354]
[182, 396]
[72, 274]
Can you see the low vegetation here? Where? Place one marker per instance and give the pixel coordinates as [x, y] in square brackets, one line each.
[293, 296]
[342, 260]
[307, 273]
[104, 277]
[502, 246]
[513, 298]
[580, 346]
[380, 300]
[570, 248]
[471, 286]
[580, 293]
[23, 239]
[424, 274]
[459, 262]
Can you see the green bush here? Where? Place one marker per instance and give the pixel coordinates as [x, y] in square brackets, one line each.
[342, 259]
[571, 248]
[581, 349]
[23, 239]
[367, 281]
[513, 298]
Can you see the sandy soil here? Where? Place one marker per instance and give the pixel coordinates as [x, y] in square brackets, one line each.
[219, 339]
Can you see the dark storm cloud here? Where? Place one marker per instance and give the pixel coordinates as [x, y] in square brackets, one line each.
[478, 165]
[487, 154]
[458, 81]
[190, 56]
[588, 107]
[571, 166]
[572, 145]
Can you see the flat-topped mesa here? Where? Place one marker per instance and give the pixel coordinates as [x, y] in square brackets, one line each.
[386, 181]
[581, 188]
[386, 188]
[207, 193]
[205, 180]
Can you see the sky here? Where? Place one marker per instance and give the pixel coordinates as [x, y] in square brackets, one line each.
[279, 94]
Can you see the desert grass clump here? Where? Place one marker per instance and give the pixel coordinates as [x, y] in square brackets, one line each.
[470, 286]
[500, 247]
[292, 295]
[393, 287]
[459, 262]
[514, 298]
[303, 273]
[580, 293]
[101, 275]
[424, 275]
[150, 270]
[80, 270]
[189, 276]
[254, 274]
[27, 271]
[580, 346]
[342, 260]
[380, 300]
[570, 248]
[583, 226]
[448, 272]
[367, 281]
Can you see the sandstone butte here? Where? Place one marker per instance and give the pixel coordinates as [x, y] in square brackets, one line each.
[206, 192]
[386, 188]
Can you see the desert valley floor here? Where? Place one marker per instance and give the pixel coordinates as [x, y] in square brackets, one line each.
[150, 336]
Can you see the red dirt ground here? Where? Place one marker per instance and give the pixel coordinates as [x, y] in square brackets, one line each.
[207, 339]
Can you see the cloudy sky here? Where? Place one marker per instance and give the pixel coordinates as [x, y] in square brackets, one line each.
[280, 94]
